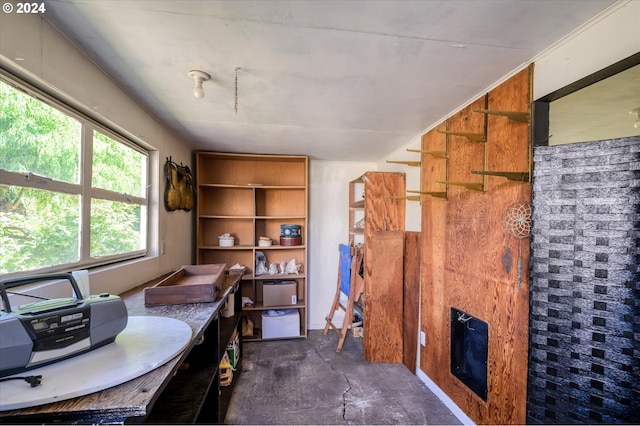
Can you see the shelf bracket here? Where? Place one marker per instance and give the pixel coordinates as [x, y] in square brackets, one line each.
[515, 176]
[437, 194]
[469, 185]
[405, 197]
[511, 115]
[408, 163]
[475, 137]
[439, 154]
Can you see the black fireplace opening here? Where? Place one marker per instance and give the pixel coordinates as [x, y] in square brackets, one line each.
[469, 348]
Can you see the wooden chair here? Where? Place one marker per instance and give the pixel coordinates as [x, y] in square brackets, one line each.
[352, 285]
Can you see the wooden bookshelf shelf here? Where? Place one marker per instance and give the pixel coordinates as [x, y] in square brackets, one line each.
[252, 196]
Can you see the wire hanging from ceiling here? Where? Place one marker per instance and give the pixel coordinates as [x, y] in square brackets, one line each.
[236, 99]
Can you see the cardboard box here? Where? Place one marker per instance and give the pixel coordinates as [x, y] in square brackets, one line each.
[287, 325]
[283, 293]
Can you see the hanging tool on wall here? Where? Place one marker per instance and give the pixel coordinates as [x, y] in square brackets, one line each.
[179, 190]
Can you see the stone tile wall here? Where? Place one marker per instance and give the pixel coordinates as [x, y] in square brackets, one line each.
[584, 356]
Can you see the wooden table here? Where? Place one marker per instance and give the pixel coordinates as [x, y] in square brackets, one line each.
[134, 400]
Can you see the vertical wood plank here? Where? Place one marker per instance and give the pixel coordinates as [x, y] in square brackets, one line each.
[383, 301]
[411, 299]
[434, 168]
[383, 271]
[466, 155]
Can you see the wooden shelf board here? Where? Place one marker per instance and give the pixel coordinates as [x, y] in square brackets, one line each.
[249, 217]
[267, 277]
[522, 116]
[249, 186]
[439, 194]
[279, 217]
[245, 247]
[257, 337]
[514, 176]
[279, 247]
[357, 205]
[475, 137]
[437, 154]
[261, 307]
[211, 216]
[406, 162]
[216, 247]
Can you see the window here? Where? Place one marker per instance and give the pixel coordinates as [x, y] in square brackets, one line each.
[72, 193]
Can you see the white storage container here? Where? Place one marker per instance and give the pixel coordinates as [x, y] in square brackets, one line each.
[226, 241]
[287, 325]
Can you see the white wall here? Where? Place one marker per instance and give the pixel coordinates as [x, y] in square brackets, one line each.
[328, 227]
[31, 48]
[605, 40]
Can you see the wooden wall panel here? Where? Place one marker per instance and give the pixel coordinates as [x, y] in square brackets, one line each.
[432, 300]
[383, 259]
[411, 299]
[383, 304]
[508, 140]
[388, 214]
[466, 154]
[463, 242]
[434, 168]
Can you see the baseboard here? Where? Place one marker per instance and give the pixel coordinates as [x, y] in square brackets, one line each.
[444, 398]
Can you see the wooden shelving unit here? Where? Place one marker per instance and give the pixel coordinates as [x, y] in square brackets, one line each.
[356, 211]
[250, 196]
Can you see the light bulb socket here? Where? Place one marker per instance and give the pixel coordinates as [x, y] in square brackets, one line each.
[198, 78]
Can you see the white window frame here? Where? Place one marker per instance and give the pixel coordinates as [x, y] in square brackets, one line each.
[83, 188]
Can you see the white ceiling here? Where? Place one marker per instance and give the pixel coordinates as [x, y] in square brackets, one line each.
[335, 80]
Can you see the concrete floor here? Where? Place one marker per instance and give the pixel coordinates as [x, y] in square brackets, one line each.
[304, 381]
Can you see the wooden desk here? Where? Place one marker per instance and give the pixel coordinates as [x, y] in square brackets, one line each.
[134, 400]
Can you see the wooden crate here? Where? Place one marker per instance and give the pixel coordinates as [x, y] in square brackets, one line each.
[189, 284]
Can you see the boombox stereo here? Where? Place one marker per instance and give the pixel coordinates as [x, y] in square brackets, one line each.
[49, 330]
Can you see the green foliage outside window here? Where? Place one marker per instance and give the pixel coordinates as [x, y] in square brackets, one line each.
[115, 228]
[42, 227]
[117, 167]
[36, 138]
[37, 229]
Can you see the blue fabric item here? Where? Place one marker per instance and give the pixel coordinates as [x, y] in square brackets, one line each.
[345, 268]
[279, 313]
